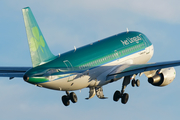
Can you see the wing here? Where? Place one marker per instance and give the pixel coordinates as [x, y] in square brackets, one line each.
[13, 71]
[131, 69]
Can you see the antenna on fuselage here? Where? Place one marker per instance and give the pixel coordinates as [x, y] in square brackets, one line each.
[127, 30]
[74, 48]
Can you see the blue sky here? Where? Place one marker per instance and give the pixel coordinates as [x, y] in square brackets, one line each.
[69, 23]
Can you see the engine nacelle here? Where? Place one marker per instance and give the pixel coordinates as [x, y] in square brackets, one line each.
[163, 77]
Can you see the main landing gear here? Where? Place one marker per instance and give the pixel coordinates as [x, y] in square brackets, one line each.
[70, 96]
[124, 96]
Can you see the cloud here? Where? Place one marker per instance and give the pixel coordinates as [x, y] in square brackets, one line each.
[90, 20]
[155, 9]
[163, 10]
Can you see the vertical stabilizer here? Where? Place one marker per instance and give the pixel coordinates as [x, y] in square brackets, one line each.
[39, 50]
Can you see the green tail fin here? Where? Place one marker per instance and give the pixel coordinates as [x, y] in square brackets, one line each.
[39, 50]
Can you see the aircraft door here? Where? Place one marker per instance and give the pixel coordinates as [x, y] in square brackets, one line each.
[146, 44]
[147, 50]
[68, 64]
[69, 68]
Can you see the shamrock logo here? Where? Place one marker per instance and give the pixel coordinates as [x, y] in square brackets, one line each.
[37, 40]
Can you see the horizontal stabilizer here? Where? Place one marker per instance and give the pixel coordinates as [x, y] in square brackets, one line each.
[13, 71]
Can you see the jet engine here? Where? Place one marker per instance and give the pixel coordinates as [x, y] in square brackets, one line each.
[163, 77]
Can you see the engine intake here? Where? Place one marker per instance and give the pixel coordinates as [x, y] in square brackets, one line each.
[156, 80]
[163, 78]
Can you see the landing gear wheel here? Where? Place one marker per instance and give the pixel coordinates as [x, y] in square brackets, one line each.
[65, 100]
[73, 97]
[133, 82]
[117, 95]
[124, 98]
[137, 83]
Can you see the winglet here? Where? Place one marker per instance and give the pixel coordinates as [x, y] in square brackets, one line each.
[40, 52]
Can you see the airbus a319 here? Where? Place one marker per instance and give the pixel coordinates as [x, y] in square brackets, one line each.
[119, 57]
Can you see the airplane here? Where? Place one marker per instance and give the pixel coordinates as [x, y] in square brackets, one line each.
[122, 56]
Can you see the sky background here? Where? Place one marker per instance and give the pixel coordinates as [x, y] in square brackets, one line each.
[70, 23]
